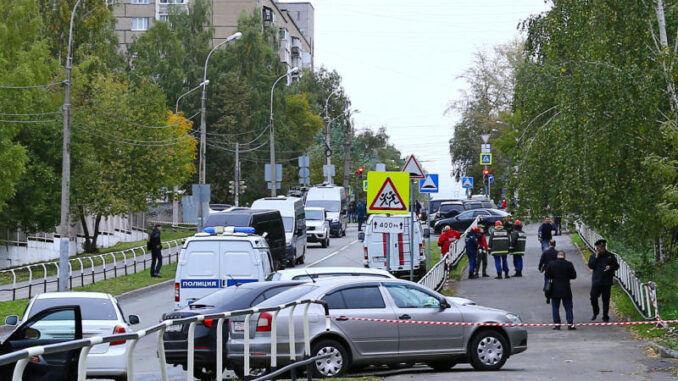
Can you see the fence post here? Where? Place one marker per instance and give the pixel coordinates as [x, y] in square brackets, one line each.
[30, 280]
[274, 339]
[293, 353]
[44, 277]
[161, 350]
[246, 349]
[190, 361]
[103, 260]
[220, 345]
[307, 342]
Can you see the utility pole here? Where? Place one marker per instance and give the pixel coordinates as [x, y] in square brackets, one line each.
[347, 154]
[274, 180]
[328, 133]
[65, 222]
[236, 186]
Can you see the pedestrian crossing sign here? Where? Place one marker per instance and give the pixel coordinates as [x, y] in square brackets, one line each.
[467, 182]
[485, 158]
[388, 192]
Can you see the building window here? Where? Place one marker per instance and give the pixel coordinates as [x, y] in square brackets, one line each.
[164, 18]
[172, 1]
[140, 1]
[140, 23]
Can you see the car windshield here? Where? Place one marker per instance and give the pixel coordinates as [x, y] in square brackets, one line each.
[329, 205]
[497, 212]
[289, 224]
[467, 214]
[316, 215]
[288, 296]
[228, 219]
[450, 207]
[90, 308]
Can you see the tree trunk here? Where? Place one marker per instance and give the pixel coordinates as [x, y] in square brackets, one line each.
[95, 237]
[665, 55]
[85, 230]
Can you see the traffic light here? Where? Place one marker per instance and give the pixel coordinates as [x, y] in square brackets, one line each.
[360, 171]
[486, 172]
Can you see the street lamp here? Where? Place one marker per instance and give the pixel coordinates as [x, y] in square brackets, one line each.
[328, 150]
[272, 133]
[176, 107]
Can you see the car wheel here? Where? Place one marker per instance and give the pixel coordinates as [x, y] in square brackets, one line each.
[441, 365]
[254, 372]
[488, 350]
[333, 366]
[327, 242]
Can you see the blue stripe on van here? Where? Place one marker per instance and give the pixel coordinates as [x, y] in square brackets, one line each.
[232, 282]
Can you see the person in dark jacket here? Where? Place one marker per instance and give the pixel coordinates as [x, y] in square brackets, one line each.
[545, 233]
[481, 259]
[499, 247]
[604, 264]
[560, 272]
[547, 256]
[361, 211]
[517, 247]
[472, 251]
[155, 245]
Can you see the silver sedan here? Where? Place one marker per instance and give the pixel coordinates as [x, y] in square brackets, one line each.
[354, 342]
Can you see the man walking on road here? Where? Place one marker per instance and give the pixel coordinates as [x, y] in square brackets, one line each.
[499, 246]
[472, 251]
[361, 211]
[517, 247]
[447, 238]
[604, 264]
[547, 256]
[481, 259]
[155, 245]
[561, 272]
[545, 233]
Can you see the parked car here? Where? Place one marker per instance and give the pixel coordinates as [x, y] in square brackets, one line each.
[447, 209]
[479, 204]
[294, 220]
[317, 226]
[228, 299]
[358, 342]
[434, 205]
[462, 221]
[327, 272]
[333, 199]
[101, 316]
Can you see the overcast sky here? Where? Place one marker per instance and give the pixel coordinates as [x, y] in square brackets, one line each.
[400, 60]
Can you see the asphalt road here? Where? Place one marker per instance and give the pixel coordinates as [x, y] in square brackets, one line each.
[344, 251]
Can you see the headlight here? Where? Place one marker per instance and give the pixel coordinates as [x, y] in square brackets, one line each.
[513, 318]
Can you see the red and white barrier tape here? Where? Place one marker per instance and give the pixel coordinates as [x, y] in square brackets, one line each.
[455, 323]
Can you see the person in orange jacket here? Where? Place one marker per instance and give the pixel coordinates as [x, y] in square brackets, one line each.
[447, 237]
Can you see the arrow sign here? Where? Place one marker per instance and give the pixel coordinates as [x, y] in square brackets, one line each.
[490, 178]
[467, 182]
[413, 168]
[387, 225]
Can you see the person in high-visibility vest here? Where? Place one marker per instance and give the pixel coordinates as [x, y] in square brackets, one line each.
[499, 248]
[517, 247]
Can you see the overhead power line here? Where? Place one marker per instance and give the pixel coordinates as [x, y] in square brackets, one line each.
[32, 87]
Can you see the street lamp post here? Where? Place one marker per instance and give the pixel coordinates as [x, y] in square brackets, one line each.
[328, 150]
[274, 180]
[65, 222]
[176, 106]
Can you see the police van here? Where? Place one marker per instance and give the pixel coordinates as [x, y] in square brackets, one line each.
[391, 251]
[217, 258]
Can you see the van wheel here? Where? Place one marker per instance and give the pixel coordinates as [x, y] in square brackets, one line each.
[325, 243]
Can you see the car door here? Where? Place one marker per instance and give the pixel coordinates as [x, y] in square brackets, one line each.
[370, 339]
[50, 326]
[413, 303]
[463, 221]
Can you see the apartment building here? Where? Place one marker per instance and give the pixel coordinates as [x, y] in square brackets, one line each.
[292, 21]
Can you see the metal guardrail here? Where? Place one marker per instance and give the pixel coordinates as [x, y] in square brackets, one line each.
[21, 357]
[133, 260]
[643, 295]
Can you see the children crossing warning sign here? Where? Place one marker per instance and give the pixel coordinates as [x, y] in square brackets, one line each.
[388, 192]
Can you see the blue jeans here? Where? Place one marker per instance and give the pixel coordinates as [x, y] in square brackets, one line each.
[518, 263]
[501, 262]
[544, 245]
[555, 308]
[471, 262]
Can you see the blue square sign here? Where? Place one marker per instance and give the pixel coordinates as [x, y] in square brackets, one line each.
[429, 184]
[467, 182]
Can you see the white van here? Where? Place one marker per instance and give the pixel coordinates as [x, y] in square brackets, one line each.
[218, 258]
[333, 199]
[294, 219]
[391, 252]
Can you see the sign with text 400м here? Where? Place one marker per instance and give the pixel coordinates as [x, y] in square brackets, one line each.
[387, 225]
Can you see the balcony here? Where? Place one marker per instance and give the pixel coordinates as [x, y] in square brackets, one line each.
[163, 8]
[296, 46]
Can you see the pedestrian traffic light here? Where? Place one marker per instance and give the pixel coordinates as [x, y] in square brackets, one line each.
[486, 172]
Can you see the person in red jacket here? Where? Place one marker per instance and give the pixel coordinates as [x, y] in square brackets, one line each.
[447, 237]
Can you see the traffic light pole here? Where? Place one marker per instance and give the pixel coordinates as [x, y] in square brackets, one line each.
[236, 185]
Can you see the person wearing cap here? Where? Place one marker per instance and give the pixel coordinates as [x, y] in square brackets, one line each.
[517, 247]
[499, 247]
[482, 253]
[472, 251]
[604, 264]
[447, 237]
[561, 271]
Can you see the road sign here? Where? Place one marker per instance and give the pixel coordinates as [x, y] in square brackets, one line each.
[467, 182]
[413, 168]
[268, 176]
[304, 161]
[328, 170]
[485, 148]
[365, 185]
[304, 172]
[485, 159]
[429, 184]
[381, 167]
[388, 225]
[388, 192]
[304, 180]
[270, 185]
[490, 178]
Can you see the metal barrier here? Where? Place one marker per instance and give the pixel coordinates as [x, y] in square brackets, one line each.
[87, 272]
[643, 295]
[22, 357]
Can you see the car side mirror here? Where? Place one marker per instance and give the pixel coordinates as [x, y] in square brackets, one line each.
[427, 232]
[31, 333]
[133, 319]
[12, 320]
[444, 304]
[361, 236]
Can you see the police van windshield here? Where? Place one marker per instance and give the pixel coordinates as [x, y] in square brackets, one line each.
[228, 219]
[289, 224]
[330, 206]
[314, 215]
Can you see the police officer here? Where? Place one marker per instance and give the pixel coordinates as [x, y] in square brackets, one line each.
[472, 251]
[604, 264]
[481, 260]
[499, 246]
[517, 247]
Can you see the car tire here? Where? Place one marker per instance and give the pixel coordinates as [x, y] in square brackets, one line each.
[256, 372]
[441, 365]
[327, 242]
[488, 350]
[334, 366]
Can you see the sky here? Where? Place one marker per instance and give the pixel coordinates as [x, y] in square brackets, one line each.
[401, 60]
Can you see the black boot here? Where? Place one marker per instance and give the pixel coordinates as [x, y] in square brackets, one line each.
[518, 274]
[485, 275]
[507, 276]
[498, 276]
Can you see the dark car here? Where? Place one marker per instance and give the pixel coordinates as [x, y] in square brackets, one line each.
[447, 209]
[228, 299]
[479, 204]
[462, 221]
[434, 205]
[263, 221]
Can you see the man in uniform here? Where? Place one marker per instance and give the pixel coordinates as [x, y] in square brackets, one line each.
[604, 264]
[481, 261]
[472, 251]
[499, 246]
[517, 247]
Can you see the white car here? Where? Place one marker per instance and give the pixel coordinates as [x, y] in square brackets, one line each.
[317, 226]
[101, 316]
[327, 272]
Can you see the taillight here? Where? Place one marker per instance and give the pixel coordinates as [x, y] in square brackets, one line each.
[118, 329]
[176, 292]
[421, 249]
[264, 322]
[208, 323]
[365, 256]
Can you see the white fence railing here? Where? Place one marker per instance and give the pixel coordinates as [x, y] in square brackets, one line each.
[23, 356]
[43, 277]
[643, 295]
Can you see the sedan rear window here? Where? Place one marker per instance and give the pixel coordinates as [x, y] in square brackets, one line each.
[90, 308]
[290, 295]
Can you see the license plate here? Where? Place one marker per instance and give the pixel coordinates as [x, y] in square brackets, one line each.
[378, 259]
[238, 326]
[174, 328]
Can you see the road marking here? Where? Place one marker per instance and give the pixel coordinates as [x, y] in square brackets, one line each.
[332, 254]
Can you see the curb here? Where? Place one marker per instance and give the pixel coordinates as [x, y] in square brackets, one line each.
[663, 351]
[153, 287]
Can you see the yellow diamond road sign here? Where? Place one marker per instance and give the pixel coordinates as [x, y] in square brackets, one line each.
[388, 192]
[485, 158]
